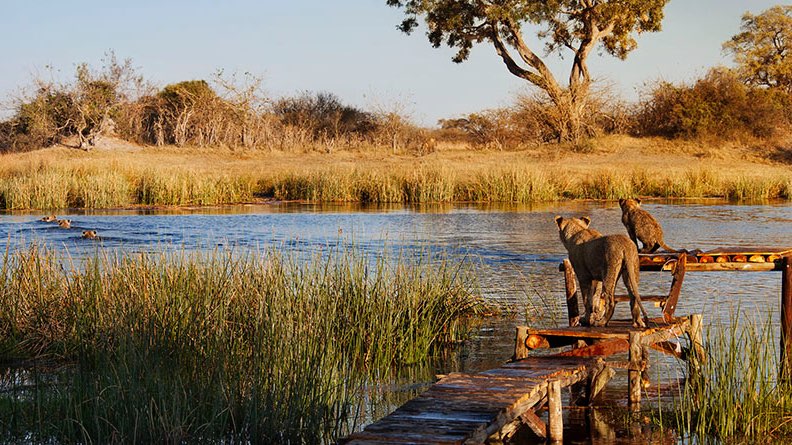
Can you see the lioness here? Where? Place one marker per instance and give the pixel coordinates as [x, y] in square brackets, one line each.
[89, 234]
[64, 223]
[601, 258]
[49, 218]
[642, 226]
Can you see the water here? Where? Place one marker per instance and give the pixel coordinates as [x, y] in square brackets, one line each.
[515, 250]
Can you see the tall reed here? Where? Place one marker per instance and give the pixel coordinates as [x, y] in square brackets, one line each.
[228, 346]
[46, 186]
[738, 396]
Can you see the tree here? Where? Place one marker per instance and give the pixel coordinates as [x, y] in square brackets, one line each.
[564, 25]
[762, 49]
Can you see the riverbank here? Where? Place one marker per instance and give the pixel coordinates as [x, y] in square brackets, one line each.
[613, 167]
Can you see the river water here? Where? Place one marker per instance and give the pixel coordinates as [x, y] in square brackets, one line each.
[515, 251]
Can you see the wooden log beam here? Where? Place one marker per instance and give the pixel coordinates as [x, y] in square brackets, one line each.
[520, 347]
[570, 286]
[676, 287]
[636, 358]
[669, 348]
[601, 348]
[555, 423]
[696, 356]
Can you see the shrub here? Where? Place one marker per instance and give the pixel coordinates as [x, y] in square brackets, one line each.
[717, 105]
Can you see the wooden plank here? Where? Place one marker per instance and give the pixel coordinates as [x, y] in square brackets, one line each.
[676, 287]
[602, 348]
[733, 267]
[555, 423]
[636, 355]
[573, 308]
[751, 250]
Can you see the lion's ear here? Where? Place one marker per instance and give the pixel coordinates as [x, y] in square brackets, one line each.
[621, 201]
[637, 200]
[586, 220]
[558, 220]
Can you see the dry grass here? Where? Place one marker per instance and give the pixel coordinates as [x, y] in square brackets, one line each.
[615, 166]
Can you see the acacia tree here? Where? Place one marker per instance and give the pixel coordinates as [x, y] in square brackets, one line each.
[762, 49]
[564, 25]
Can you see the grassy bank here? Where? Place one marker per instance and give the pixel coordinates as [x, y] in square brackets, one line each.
[173, 348]
[738, 397]
[616, 167]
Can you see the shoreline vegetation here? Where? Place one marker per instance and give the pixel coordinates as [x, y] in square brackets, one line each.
[224, 346]
[124, 175]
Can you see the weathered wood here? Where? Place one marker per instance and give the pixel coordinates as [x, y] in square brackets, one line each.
[636, 357]
[573, 307]
[786, 316]
[669, 348]
[555, 423]
[536, 424]
[600, 348]
[733, 267]
[696, 355]
[600, 376]
[676, 287]
[520, 348]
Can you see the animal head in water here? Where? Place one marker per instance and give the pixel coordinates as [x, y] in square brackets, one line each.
[64, 223]
[49, 218]
[89, 234]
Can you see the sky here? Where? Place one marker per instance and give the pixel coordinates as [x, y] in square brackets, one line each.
[347, 47]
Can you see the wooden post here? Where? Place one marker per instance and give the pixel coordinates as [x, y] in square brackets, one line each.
[520, 349]
[573, 311]
[676, 288]
[554, 415]
[786, 316]
[696, 355]
[636, 359]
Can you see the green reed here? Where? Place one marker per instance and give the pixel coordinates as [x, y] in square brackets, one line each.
[243, 347]
[738, 395]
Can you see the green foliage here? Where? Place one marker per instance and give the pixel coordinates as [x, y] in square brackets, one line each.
[256, 347]
[718, 105]
[563, 25]
[737, 397]
[763, 50]
[462, 23]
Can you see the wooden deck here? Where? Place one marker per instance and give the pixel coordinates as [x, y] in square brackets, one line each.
[472, 408]
[489, 406]
[468, 408]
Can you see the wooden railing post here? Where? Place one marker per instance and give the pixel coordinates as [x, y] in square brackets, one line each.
[573, 310]
[786, 317]
[555, 423]
[635, 368]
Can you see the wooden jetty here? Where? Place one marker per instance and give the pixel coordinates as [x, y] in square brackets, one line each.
[489, 406]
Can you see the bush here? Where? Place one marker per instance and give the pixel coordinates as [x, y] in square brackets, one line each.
[718, 105]
[324, 116]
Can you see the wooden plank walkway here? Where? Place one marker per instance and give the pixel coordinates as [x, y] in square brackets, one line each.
[468, 408]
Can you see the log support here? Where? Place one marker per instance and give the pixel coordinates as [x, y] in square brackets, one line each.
[786, 317]
[573, 308]
[636, 360]
[696, 354]
[555, 423]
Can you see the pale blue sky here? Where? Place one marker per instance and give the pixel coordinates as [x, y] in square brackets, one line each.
[348, 47]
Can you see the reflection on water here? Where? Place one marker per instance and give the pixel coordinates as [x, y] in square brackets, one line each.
[514, 248]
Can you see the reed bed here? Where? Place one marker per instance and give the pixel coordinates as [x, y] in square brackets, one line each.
[226, 346]
[738, 397]
[92, 184]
